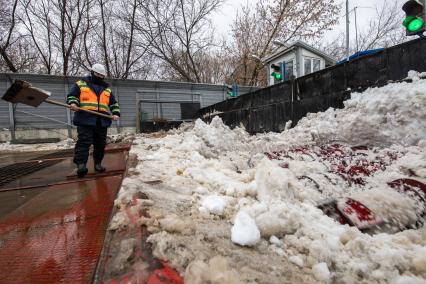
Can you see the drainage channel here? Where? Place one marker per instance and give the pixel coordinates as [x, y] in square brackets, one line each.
[15, 171]
[18, 170]
[56, 155]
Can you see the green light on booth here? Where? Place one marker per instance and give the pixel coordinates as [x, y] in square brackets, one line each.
[276, 75]
[413, 23]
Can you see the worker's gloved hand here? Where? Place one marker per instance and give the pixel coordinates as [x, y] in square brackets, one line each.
[115, 117]
[74, 107]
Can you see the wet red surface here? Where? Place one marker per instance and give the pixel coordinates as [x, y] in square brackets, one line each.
[57, 235]
[165, 275]
[53, 226]
[114, 162]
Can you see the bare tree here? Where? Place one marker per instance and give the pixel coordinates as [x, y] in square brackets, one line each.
[255, 29]
[37, 20]
[384, 30]
[71, 14]
[7, 27]
[177, 32]
[131, 56]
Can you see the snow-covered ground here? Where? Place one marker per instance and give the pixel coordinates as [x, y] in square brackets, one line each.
[63, 144]
[223, 211]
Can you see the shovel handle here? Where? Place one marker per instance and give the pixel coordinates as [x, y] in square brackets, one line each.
[81, 109]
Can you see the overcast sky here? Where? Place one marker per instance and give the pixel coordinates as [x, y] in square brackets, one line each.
[223, 19]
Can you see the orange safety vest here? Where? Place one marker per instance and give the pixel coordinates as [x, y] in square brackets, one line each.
[89, 99]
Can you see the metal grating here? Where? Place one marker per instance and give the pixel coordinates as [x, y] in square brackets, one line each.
[56, 237]
[15, 171]
[56, 155]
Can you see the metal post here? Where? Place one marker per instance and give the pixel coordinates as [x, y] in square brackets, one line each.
[138, 114]
[11, 117]
[159, 106]
[68, 112]
[12, 122]
[356, 30]
[117, 98]
[347, 29]
[424, 9]
[299, 62]
[282, 71]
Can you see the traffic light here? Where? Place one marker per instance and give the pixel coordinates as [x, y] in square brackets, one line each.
[414, 22]
[276, 72]
[232, 91]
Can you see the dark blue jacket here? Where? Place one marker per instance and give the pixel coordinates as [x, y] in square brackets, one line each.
[82, 118]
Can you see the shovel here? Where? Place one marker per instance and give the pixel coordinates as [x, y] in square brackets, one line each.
[23, 92]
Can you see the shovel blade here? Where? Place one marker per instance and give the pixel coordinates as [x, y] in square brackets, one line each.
[22, 92]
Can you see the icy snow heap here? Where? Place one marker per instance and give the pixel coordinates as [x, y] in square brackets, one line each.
[392, 114]
[218, 185]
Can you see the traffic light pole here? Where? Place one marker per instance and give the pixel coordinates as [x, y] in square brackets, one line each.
[347, 30]
[424, 10]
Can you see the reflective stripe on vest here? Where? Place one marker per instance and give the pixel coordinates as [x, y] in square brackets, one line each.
[89, 99]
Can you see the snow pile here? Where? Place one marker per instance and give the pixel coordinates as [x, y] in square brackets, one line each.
[392, 114]
[118, 138]
[64, 144]
[221, 205]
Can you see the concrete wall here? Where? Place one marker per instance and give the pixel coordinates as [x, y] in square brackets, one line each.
[49, 121]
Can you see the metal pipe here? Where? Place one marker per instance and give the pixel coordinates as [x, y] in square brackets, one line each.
[12, 122]
[117, 97]
[356, 31]
[424, 10]
[68, 111]
[347, 29]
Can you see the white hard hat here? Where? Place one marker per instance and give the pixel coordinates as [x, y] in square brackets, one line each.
[99, 68]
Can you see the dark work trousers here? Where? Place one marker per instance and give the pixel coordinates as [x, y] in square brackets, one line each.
[88, 135]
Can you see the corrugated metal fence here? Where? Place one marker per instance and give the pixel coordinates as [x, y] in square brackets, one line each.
[133, 95]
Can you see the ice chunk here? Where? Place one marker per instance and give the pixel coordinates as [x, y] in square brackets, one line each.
[408, 280]
[214, 204]
[296, 260]
[245, 231]
[275, 241]
[321, 272]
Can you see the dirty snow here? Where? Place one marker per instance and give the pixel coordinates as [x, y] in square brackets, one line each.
[221, 209]
[67, 143]
[63, 144]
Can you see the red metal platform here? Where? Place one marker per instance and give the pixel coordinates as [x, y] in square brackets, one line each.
[57, 235]
[53, 225]
[52, 229]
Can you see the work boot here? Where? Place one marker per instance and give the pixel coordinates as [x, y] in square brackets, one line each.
[81, 170]
[99, 168]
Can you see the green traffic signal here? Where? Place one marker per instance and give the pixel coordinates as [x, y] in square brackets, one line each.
[276, 75]
[413, 23]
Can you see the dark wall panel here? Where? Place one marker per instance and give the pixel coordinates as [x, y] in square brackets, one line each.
[270, 108]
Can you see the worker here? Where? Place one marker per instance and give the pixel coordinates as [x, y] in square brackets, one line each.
[92, 93]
